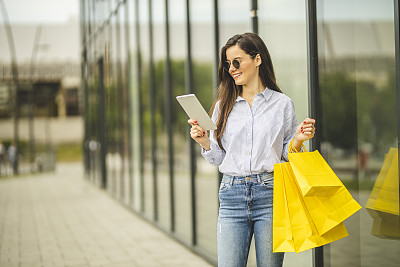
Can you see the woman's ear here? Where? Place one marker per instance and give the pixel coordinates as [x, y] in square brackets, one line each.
[258, 60]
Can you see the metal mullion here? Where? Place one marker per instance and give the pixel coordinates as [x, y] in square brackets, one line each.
[254, 16]
[216, 44]
[84, 87]
[152, 106]
[397, 57]
[139, 75]
[109, 71]
[216, 63]
[168, 112]
[128, 103]
[313, 93]
[120, 136]
[102, 120]
[189, 90]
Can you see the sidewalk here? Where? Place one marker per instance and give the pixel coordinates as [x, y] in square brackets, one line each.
[58, 219]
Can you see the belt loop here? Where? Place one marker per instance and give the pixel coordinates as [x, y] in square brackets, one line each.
[259, 178]
[232, 178]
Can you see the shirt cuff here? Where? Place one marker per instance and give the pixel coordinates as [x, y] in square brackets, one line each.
[208, 155]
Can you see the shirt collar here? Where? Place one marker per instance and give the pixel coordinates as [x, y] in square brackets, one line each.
[239, 98]
[267, 93]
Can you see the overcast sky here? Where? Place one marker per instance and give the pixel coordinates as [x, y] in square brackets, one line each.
[41, 11]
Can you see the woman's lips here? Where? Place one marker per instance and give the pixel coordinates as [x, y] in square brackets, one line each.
[237, 75]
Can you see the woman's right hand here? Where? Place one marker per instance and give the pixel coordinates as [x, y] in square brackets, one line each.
[199, 134]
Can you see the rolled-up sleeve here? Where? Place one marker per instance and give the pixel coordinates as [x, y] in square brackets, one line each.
[215, 155]
[290, 129]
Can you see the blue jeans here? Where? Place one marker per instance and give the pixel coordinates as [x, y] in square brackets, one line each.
[246, 210]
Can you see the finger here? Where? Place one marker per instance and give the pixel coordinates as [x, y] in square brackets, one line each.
[197, 132]
[192, 122]
[195, 136]
[308, 128]
[197, 127]
[309, 131]
[309, 121]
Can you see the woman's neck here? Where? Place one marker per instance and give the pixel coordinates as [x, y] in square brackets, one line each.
[250, 91]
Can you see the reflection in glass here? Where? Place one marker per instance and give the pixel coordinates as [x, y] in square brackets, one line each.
[383, 203]
[282, 26]
[145, 102]
[134, 102]
[180, 131]
[358, 107]
[159, 39]
[123, 105]
[206, 182]
[232, 19]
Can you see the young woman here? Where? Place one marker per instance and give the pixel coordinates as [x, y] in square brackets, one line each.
[256, 124]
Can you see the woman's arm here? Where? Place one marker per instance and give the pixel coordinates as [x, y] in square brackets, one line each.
[297, 133]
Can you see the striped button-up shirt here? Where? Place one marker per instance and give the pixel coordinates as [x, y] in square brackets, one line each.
[256, 137]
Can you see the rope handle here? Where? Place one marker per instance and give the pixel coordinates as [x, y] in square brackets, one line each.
[292, 149]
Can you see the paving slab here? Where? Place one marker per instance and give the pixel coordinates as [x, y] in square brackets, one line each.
[59, 219]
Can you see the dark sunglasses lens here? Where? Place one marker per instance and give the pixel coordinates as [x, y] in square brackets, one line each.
[236, 64]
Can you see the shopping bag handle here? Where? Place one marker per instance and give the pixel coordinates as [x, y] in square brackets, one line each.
[292, 149]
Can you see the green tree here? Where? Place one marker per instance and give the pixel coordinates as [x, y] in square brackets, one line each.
[339, 111]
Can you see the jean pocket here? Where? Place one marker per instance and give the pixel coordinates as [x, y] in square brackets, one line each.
[268, 182]
[224, 186]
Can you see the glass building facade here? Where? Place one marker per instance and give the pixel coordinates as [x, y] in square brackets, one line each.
[337, 59]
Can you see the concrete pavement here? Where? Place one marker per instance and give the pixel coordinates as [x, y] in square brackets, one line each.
[58, 219]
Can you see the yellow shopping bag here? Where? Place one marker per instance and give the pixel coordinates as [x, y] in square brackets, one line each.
[387, 227]
[384, 197]
[302, 234]
[282, 231]
[383, 203]
[305, 234]
[314, 176]
[328, 212]
[325, 211]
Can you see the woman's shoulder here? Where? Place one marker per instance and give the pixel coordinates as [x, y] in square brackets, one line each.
[281, 97]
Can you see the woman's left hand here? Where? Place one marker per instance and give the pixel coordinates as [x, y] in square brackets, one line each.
[305, 130]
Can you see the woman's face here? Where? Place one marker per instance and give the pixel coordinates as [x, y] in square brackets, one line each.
[248, 71]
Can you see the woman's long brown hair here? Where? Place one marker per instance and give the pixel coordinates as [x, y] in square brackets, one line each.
[228, 91]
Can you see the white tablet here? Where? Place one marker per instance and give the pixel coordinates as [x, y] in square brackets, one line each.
[195, 111]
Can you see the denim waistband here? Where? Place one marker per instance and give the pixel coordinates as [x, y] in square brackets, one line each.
[252, 178]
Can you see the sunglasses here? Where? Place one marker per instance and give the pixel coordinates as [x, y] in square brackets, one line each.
[235, 63]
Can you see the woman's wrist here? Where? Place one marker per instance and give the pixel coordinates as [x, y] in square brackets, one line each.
[206, 144]
[297, 144]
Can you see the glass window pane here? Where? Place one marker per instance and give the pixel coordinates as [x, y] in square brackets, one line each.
[145, 109]
[178, 50]
[233, 19]
[159, 41]
[357, 79]
[282, 25]
[134, 106]
[206, 184]
[112, 157]
[124, 105]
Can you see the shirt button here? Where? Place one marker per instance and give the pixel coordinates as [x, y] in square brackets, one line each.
[248, 153]
[249, 134]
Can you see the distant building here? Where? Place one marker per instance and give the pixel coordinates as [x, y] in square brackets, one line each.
[53, 72]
